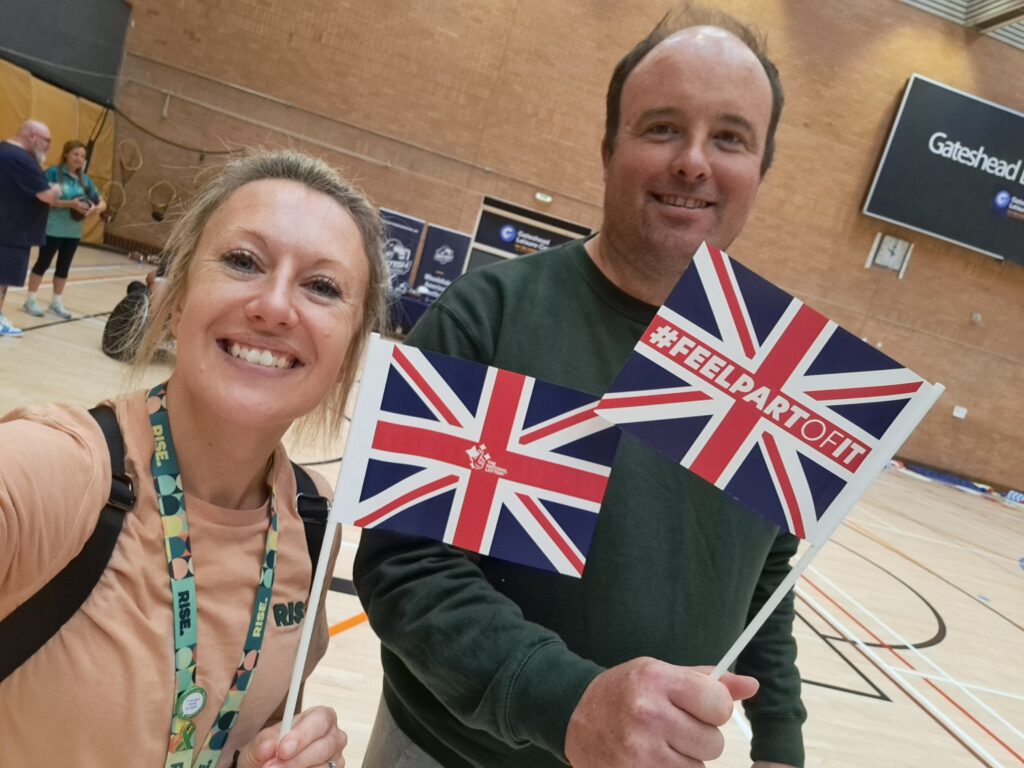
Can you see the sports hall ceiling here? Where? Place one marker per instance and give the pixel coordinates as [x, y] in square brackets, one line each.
[999, 19]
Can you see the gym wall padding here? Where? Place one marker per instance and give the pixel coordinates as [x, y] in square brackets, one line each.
[15, 97]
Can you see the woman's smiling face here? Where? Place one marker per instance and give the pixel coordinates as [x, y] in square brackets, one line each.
[275, 294]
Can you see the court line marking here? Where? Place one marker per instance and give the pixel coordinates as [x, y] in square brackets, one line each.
[946, 677]
[941, 630]
[893, 633]
[948, 725]
[347, 624]
[876, 521]
[963, 687]
[98, 280]
[98, 319]
[919, 673]
[108, 267]
[900, 553]
[835, 644]
[998, 514]
[982, 553]
[85, 281]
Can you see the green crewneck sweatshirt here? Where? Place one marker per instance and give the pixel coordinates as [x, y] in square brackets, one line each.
[484, 661]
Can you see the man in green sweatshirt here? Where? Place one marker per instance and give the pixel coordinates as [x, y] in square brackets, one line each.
[491, 664]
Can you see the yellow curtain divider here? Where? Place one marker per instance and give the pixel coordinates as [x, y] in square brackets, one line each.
[23, 96]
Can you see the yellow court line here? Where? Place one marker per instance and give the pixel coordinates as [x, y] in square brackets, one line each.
[352, 621]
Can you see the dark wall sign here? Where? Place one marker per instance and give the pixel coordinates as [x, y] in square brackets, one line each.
[401, 244]
[443, 259]
[954, 168]
[504, 229]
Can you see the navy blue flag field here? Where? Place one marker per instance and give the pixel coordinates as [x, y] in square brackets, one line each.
[481, 458]
[765, 398]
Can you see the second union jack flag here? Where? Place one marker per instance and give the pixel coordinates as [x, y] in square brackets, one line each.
[481, 458]
[765, 398]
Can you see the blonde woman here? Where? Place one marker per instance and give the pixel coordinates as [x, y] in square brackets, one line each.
[274, 281]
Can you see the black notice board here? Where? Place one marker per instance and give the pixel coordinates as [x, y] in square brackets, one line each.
[953, 167]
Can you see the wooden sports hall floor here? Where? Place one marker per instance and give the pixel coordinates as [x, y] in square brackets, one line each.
[911, 622]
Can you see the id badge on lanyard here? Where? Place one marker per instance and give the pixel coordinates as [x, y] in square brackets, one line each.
[190, 698]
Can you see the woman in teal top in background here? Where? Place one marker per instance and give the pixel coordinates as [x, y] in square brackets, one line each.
[79, 199]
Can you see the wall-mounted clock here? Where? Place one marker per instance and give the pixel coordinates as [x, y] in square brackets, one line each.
[890, 252]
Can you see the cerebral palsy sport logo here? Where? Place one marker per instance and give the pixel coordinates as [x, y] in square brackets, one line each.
[480, 458]
[398, 256]
[444, 255]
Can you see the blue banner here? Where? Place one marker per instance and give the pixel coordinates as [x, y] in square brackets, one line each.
[443, 260]
[504, 229]
[401, 244]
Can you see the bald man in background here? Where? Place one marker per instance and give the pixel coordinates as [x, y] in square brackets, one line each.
[25, 200]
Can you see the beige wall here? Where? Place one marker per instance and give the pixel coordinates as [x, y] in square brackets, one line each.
[431, 106]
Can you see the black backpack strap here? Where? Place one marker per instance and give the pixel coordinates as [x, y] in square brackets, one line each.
[313, 509]
[40, 617]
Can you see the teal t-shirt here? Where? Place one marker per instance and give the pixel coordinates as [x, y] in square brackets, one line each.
[60, 222]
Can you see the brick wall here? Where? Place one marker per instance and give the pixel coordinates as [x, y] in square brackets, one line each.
[430, 106]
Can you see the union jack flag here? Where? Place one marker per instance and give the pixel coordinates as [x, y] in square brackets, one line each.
[480, 458]
[764, 397]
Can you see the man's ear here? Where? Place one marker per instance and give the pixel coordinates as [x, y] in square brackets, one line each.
[606, 156]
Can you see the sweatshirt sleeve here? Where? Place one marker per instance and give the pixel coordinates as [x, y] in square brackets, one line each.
[467, 643]
[776, 713]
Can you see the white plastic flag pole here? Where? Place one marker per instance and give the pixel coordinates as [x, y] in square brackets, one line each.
[766, 610]
[307, 626]
[360, 435]
[866, 475]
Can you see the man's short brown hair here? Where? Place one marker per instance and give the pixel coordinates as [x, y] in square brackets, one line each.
[683, 17]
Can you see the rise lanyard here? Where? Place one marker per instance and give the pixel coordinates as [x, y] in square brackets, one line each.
[190, 698]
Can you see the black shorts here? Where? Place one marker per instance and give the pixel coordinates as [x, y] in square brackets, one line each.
[13, 264]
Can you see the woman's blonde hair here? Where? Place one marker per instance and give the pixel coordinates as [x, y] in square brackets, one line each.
[180, 250]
